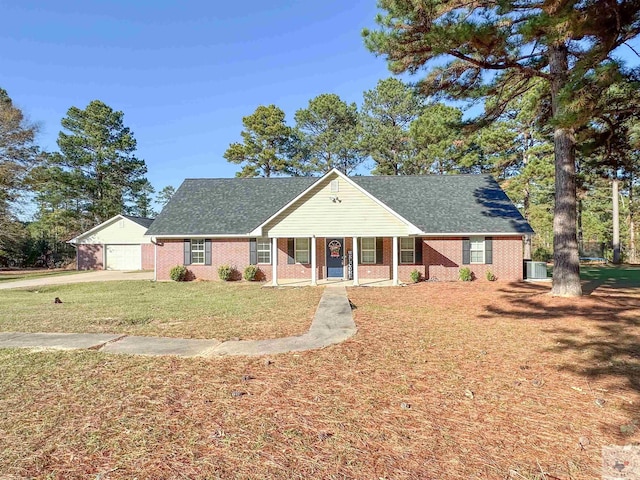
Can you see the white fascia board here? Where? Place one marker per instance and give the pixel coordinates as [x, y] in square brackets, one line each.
[474, 234]
[215, 235]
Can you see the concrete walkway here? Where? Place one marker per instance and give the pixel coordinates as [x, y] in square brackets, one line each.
[333, 323]
[92, 276]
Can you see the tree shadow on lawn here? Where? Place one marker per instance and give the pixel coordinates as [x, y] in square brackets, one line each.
[597, 336]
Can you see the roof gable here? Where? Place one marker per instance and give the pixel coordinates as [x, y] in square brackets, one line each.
[338, 206]
[137, 221]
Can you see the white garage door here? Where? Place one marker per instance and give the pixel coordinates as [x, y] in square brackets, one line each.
[124, 257]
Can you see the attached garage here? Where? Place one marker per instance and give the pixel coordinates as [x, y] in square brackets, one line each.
[123, 257]
[117, 244]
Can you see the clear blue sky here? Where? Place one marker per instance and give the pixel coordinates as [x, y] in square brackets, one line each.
[183, 73]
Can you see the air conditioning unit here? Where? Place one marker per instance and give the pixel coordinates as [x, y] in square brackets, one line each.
[536, 270]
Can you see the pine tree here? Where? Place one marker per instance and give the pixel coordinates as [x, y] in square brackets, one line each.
[386, 115]
[266, 147]
[96, 174]
[331, 134]
[18, 154]
[569, 45]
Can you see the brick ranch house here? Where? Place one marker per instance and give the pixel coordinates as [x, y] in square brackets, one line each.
[339, 227]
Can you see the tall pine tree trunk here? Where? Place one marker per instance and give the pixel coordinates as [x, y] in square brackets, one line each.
[566, 264]
[632, 227]
[616, 220]
[580, 230]
[527, 196]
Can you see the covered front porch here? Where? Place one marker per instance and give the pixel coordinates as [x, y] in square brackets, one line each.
[334, 231]
[352, 261]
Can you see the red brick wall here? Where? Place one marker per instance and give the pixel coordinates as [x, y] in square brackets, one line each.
[378, 271]
[170, 253]
[90, 257]
[443, 257]
[147, 256]
[234, 252]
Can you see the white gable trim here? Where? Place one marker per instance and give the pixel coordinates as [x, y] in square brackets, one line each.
[413, 230]
[74, 240]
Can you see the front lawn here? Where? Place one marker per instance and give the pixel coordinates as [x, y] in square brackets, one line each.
[191, 310]
[14, 275]
[616, 276]
[443, 380]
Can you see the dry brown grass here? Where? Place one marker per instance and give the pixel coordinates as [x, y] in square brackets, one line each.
[449, 380]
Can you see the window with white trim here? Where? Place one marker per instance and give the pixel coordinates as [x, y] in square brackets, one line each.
[476, 249]
[197, 252]
[407, 250]
[368, 250]
[302, 250]
[263, 249]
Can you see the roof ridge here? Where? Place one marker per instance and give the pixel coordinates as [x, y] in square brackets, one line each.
[432, 175]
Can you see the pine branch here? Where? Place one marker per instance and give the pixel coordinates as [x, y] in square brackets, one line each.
[499, 66]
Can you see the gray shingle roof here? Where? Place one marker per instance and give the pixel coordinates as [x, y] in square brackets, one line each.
[142, 221]
[448, 203]
[232, 206]
[434, 203]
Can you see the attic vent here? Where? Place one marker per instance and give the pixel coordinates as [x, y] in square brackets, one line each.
[121, 223]
[335, 186]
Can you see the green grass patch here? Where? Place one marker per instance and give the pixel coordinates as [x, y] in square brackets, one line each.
[611, 275]
[191, 310]
[10, 276]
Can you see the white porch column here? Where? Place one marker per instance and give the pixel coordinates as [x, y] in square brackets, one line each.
[314, 274]
[395, 260]
[274, 261]
[355, 261]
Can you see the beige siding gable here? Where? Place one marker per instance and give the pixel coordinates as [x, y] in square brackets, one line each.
[120, 231]
[335, 206]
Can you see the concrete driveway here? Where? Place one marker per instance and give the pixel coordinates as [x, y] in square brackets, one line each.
[92, 276]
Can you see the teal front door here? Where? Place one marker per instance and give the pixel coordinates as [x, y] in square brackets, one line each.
[335, 251]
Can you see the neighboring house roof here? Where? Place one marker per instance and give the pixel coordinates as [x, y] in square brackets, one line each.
[436, 204]
[142, 221]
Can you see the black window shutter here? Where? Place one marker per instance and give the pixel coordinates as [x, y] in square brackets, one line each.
[253, 251]
[187, 252]
[207, 251]
[466, 251]
[418, 250]
[488, 250]
[291, 252]
[379, 251]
